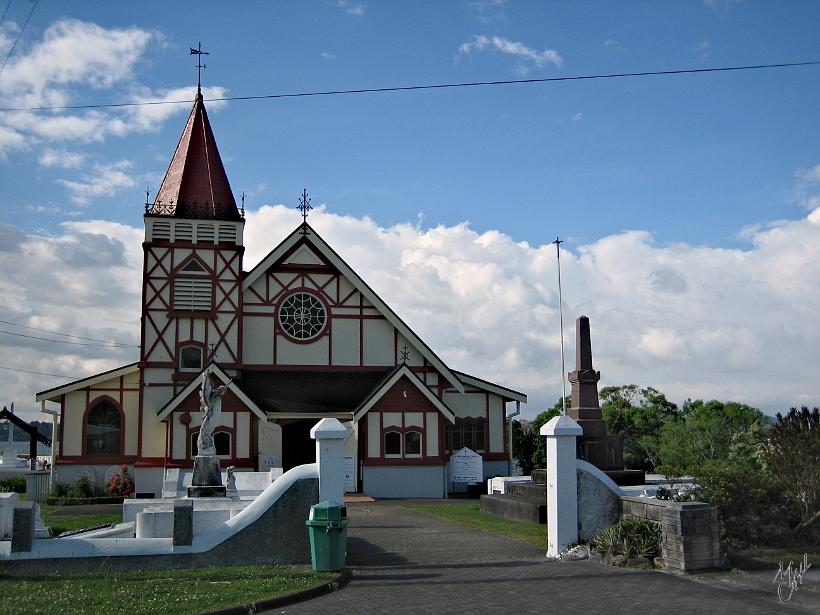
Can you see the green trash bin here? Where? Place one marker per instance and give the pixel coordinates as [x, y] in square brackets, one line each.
[327, 525]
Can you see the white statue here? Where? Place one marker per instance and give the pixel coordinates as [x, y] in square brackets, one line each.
[210, 399]
[230, 479]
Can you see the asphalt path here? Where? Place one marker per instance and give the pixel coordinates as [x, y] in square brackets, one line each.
[407, 562]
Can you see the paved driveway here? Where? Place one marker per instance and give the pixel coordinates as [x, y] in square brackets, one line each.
[407, 562]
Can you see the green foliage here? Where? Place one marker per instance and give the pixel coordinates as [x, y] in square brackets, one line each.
[702, 433]
[13, 484]
[630, 537]
[81, 489]
[792, 455]
[72, 501]
[529, 449]
[637, 414]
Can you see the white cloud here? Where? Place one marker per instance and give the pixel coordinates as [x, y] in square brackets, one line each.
[104, 180]
[71, 57]
[488, 10]
[577, 117]
[358, 9]
[61, 158]
[526, 55]
[72, 52]
[150, 117]
[692, 321]
[328, 56]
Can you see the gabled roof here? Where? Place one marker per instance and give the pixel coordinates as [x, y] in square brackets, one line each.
[391, 378]
[50, 394]
[195, 184]
[508, 394]
[195, 384]
[306, 232]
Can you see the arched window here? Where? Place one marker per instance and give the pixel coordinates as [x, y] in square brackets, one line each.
[392, 444]
[103, 429]
[222, 442]
[412, 444]
[190, 358]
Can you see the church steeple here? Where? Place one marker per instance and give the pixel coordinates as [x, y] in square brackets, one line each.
[195, 184]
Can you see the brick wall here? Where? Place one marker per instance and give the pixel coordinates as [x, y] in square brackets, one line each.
[690, 537]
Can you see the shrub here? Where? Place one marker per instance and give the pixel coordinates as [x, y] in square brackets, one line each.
[630, 537]
[121, 484]
[82, 488]
[13, 484]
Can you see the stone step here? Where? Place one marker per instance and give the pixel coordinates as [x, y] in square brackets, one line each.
[515, 508]
[533, 491]
[539, 476]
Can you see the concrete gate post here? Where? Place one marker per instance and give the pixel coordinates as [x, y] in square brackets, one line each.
[330, 435]
[562, 489]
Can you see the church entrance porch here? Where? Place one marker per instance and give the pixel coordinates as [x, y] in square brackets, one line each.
[297, 446]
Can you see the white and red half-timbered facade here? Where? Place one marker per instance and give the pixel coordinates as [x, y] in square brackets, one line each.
[299, 337]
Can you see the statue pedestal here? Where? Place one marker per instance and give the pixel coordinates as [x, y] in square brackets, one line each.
[207, 479]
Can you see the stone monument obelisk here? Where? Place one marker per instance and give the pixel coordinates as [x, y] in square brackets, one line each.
[595, 446]
[207, 478]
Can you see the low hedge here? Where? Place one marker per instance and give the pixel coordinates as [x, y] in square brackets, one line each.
[13, 484]
[65, 501]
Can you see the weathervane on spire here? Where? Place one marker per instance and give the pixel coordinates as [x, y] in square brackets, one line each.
[304, 206]
[199, 65]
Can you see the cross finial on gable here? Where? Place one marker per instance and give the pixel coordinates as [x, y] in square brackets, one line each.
[305, 207]
[211, 352]
[405, 354]
[199, 65]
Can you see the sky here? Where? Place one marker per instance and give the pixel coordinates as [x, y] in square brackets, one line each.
[689, 205]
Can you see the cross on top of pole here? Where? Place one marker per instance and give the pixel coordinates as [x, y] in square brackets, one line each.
[304, 205]
[199, 65]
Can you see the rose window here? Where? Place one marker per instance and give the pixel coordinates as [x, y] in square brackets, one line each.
[302, 316]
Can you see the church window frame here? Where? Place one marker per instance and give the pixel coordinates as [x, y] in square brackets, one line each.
[223, 441]
[467, 432]
[393, 442]
[99, 445]
[186, 348]
[302, 316]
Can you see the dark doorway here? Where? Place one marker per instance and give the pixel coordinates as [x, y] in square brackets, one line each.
[297, 445]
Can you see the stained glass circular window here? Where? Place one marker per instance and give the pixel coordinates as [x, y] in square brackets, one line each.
[302, 316]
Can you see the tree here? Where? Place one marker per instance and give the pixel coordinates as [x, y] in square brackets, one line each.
[703, 432]
[792, 453]
[528, 445]
[637, 414]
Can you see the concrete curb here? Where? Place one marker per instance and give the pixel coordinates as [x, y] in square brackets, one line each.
[342, 579]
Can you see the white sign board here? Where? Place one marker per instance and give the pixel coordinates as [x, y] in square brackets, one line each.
[466, 466]
[350, 473]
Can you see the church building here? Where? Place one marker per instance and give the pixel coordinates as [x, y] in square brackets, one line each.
[298, 337]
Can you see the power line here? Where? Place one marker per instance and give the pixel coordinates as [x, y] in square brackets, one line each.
[27, 371]
[45, 339]
[435, 86]
[19, 34]
[5, 12]
[76, 337]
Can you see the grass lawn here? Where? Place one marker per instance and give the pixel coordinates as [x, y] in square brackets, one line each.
[172, 592]
[758, 558]
[64, 523]
[471, 516]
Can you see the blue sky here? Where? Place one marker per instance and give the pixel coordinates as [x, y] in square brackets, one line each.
[698, 166]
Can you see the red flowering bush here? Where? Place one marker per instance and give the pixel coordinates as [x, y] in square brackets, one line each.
[121, 484]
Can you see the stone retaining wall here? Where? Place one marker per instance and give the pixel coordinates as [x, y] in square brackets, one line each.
[690, 532]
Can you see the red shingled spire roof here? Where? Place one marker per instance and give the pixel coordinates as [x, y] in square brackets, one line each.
[195, 184]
